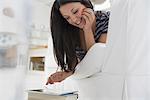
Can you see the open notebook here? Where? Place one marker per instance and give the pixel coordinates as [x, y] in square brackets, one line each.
[54, 92]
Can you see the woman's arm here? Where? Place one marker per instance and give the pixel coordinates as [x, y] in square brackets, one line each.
[90, 65]
[89, 27]
[89, 39]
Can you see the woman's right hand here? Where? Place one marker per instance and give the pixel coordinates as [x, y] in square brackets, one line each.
[58, 77]
[89, 17]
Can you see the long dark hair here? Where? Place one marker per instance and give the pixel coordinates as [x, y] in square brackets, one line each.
[65, 36]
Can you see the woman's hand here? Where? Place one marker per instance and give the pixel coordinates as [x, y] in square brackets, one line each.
[89, 27]
[89, 17]
[58, 77]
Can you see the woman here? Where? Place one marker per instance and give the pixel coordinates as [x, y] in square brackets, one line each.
[75, 28]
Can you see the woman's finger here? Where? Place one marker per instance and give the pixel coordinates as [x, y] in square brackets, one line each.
[86, 16]
[87, 22]
[49, 81]
[90, 13]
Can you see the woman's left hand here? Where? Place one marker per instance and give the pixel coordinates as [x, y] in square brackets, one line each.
[89, 17]
[58, 77]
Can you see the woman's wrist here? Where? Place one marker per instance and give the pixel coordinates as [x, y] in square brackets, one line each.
[69, 73]
[89, 39]
[88, 31]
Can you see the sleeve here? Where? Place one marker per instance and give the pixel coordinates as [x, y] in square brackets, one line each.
[101, 24]
[91, 63]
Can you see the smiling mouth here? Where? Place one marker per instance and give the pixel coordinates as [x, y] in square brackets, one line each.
[80, 21]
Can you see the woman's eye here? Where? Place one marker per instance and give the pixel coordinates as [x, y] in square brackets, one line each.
[75, 11]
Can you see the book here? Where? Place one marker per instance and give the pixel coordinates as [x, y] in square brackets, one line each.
[54, 92]
[42, 94]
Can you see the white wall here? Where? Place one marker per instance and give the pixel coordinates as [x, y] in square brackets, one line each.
[40, 14]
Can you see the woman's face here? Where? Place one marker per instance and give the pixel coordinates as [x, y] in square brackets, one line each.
[72, 12]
